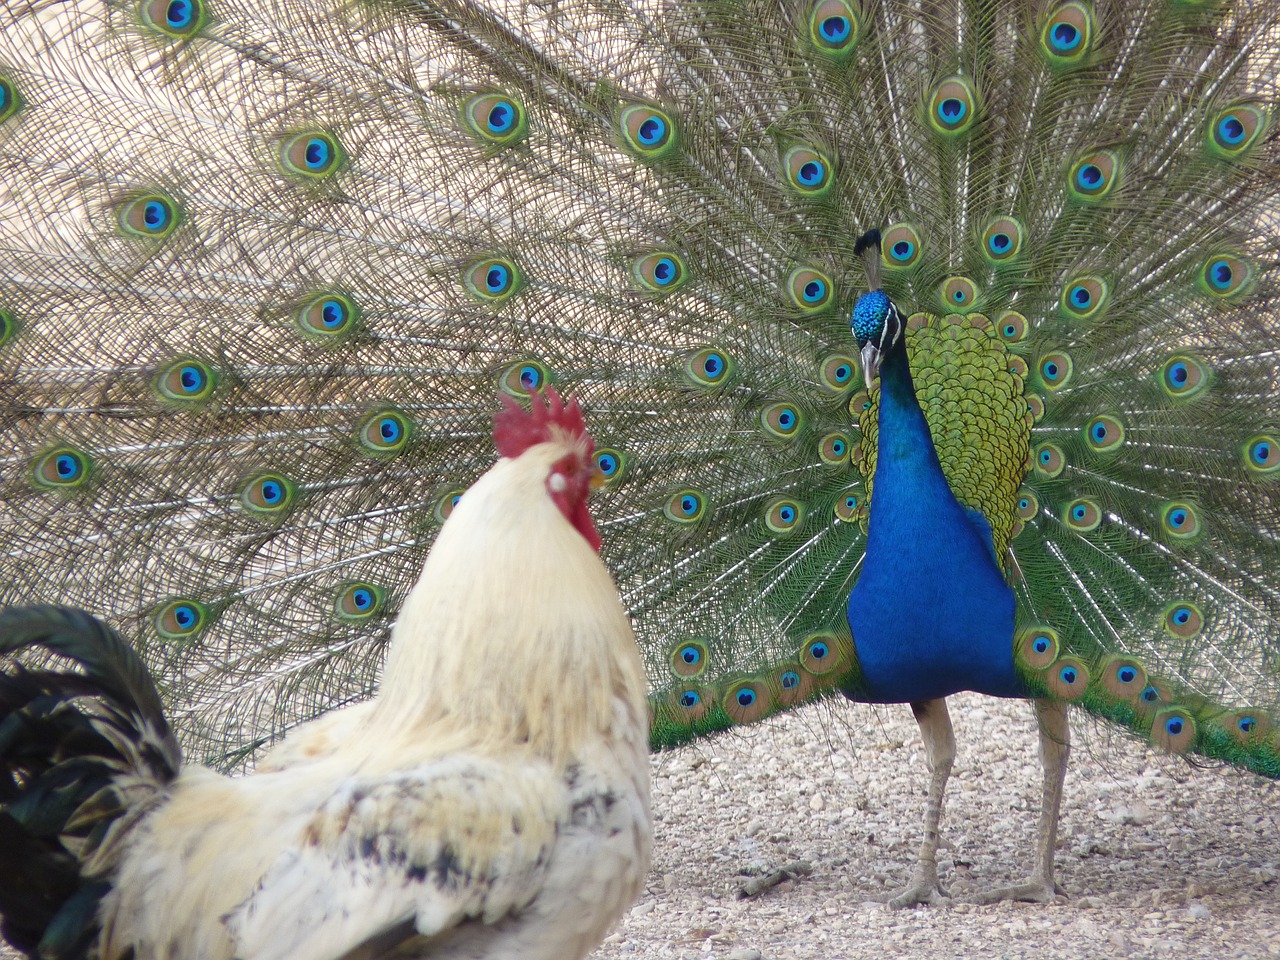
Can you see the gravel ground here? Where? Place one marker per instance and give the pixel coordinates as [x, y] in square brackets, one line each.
[1158, 858]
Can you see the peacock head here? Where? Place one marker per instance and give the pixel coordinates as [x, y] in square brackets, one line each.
[876, 322]
[878, 326]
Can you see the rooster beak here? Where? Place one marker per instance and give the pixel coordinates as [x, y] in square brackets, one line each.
[597, 479]
[870, 362]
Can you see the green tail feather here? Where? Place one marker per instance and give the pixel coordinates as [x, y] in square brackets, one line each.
[265, 282]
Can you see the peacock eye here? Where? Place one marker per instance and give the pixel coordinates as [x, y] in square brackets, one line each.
[809, 289]
[313, 155]
[807, 171]
[63, 468]
[659, 272]
[150, 217]
[493, 280]
[900, 247]
[176, 19]
[495, 118]
[647, 132]
[180, 619]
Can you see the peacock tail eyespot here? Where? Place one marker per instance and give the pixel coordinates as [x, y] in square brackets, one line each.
[647, 132]
[496, 118]
[690, 703]
[783, 516]
[1067, 678]
[791, 683]
[1092, 178]
[782, 420]
[150, 216]
[311, 155]
[385, 433]
[659, 272]
[838, 372]
[63, 468]
[685, 506]
[747, 701]
[953, 107]
[187, 381]
[358, 601]
[958, 295]
[833, 449]
[492, 280]
[1037, 647]
[1011, 326]
[1226, 276]
[8, 326]
[327, 316]
[848, 506]
[859, 403]
[1035, 407]
[522, 380]
[176, 19]
[1028, 507]
[1055, 370]
[809, 290]
[1067, 36]
[1104, 434]
[834, 28]
[1084, 297]
[824, 653]
[1003, 241]
[1262, 454]
[180, 619]
[1183, 619]
[10, 99]
[612, 464]
[1173, 730]
[689, 659]
[268, 494]
[1155, 694]
[1123, 678]
[1180, 521]
[1048, 461]
[1235, 130]
[709, 367]
[1082, 516]
[807, 172]
[445, 505]
[1183, 376]
[900, 247]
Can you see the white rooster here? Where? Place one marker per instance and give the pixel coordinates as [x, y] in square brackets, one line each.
[462, 813]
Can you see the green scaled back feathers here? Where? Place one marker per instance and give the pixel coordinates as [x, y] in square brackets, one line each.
[267, 268]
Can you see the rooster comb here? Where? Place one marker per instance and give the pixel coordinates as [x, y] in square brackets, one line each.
[516, 429]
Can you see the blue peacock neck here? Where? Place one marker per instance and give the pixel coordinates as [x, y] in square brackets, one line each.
[931, 614]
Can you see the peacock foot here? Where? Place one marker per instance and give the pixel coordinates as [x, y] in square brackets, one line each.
[923, 889]
[1034, 890]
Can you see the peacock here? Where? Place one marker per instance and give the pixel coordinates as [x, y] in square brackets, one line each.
[929, 345]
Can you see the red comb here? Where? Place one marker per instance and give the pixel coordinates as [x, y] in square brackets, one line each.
[515, 429]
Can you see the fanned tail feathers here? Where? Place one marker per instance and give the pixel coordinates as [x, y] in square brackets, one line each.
[269, 266]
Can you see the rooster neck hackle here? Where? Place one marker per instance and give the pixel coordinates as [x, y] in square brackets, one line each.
[554, 622]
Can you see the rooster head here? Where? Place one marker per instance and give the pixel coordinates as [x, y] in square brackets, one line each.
[572, 476]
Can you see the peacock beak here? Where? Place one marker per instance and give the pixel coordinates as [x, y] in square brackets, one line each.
[870, 362]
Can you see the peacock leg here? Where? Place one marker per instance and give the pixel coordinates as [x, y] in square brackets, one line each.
[940, 752]
[1055, 746]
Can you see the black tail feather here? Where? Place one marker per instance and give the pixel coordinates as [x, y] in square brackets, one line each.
[65, 740]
